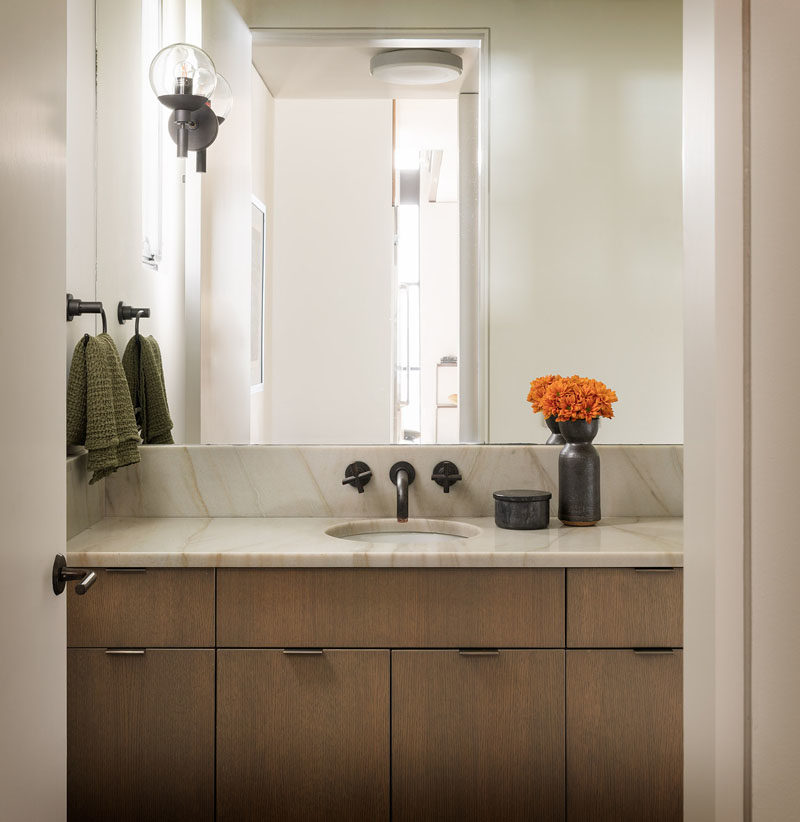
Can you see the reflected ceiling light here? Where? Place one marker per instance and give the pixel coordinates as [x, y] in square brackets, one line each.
[416, 67]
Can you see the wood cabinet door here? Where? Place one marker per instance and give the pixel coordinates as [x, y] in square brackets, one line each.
[478, 736]
[140, 735]
[624, 736]
[302, 736]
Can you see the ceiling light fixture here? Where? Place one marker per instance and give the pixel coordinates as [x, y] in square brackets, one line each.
[416, 67]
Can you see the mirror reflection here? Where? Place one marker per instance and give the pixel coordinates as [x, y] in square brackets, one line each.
[405, 217]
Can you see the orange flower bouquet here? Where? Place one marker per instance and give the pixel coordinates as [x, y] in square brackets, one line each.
[561, 399]
[576, 398]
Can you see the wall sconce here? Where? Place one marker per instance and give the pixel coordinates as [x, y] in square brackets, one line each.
[184, 79]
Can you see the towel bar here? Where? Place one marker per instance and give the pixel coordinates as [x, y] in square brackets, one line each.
[128, 312]
[75, 308]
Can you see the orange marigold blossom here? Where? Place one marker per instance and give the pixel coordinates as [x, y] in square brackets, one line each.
[571, 398]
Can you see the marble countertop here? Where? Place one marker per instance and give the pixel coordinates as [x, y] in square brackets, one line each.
[208, 542]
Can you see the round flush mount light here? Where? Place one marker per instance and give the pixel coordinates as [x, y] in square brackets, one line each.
[416, 67]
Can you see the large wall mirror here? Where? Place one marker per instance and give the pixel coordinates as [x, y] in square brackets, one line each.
[370, 261]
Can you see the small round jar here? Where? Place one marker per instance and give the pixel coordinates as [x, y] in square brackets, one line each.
[522, 510]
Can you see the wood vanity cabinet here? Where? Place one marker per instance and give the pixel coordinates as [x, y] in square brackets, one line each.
[376, 694]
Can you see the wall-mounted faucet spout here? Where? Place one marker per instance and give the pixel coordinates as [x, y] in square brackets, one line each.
[402, 475]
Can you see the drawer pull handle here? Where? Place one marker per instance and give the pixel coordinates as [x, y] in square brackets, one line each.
[654, 570]
[653, 651]
[126, 570]
[479, 651]
[125, 651]
[303, 651]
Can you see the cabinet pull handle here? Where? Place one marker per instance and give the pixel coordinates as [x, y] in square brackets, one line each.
[479, 651]
[126, 570]
[125, 651]
[654, 570]
[303, 651]
[653, 651]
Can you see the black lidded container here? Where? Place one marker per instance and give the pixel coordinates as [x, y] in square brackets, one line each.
[522, 510]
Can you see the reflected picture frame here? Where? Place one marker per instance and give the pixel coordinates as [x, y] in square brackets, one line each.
[258, 268]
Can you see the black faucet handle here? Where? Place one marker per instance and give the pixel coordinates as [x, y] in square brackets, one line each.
[357, 474]
[446, 474]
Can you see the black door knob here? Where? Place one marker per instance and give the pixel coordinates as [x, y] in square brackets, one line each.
[62, 574]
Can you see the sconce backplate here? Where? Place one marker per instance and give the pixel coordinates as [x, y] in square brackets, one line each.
[202, 129]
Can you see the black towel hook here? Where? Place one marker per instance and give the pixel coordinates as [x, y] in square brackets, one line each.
[129, 312]
[75, 308]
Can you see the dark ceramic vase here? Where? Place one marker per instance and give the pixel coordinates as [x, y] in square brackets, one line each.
[579, 474]
[555, 437]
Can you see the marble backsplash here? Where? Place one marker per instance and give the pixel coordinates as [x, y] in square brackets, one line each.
[305, 481]
[86, 504]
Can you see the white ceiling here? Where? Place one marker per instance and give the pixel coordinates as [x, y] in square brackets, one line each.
[341, 71]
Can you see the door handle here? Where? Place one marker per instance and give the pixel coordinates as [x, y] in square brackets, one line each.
[479, 652]
[653, 651]
[62, 574]
[302, 651]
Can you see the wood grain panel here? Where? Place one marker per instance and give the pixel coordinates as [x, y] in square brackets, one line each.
[390, 608]
[302, 737]
[624, 737]
[477, 737]
[140, 736]
[624, 608]
[172, 608]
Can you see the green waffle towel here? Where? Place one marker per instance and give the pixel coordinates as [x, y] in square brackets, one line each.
[99, 412]
[145, 374]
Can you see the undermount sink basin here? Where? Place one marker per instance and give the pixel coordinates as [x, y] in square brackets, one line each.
[415, 530]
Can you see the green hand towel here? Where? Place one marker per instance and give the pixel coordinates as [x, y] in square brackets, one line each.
[145, 374]
[99, 412]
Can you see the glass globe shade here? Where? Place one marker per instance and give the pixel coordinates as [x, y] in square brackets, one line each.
[182, 69]
[221, 100]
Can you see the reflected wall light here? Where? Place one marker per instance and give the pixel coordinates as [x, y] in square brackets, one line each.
[184, 79]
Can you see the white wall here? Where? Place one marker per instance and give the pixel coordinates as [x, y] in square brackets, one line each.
[438, 253]
[120, 273]
[332, 283]
[585, 194]
[714, 499]
[81, 181]
[263, 165]
[225, 239]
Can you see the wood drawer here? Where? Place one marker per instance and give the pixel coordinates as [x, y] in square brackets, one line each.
[390, 608]
[172, 608]
[624, 608]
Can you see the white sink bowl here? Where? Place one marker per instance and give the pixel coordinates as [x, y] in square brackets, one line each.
[392, 531]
